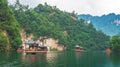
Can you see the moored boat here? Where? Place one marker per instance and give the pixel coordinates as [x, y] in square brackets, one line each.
[79, 48]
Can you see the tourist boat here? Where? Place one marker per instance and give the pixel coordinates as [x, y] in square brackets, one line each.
[79, 48]
[36, 49]
[33, 47]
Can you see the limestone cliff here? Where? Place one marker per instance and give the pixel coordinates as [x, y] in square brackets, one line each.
[49, 42]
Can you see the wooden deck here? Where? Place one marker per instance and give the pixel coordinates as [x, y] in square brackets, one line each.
[34, 51]
[79, 50]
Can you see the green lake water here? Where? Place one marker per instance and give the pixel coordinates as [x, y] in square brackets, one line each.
[60, 59]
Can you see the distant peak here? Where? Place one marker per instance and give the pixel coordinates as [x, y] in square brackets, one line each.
[117, 22]
[99, 15]
[111, 14]
[88, 21]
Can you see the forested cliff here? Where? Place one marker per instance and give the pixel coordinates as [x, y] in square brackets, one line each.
[9, 28]
[46, 21]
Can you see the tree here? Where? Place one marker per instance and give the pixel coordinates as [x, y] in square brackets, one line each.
[3, 42]
[47, 21]
[9, 24]
[115, 43]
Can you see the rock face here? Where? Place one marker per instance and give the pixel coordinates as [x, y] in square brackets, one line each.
[52, 43]
[49, 42]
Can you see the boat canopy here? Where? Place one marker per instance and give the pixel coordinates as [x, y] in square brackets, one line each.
[77, 46]
[30, 42]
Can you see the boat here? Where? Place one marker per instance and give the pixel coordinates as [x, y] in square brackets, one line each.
[33, 47]
[79, 48]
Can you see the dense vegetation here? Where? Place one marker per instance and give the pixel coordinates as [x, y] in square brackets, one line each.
[9, 28]
[3, 42]
[109, 24]
[49, 21]
[115, 43]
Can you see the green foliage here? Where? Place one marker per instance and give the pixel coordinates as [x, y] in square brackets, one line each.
[115, 43]
[49, 21]
[9, 24]
[3, 42]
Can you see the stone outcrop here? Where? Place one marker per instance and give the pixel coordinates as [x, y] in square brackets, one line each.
[49, 42]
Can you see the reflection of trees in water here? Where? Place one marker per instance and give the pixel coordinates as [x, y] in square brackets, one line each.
[60, 59]
[33, 57]
[51, 58]
[43, 59]
[56, 59]
[78, 55]
[34, 60]
[108, 52]
[9, 59]
[90, 59]
[115, 58]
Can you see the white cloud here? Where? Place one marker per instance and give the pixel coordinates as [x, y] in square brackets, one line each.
[94, 7]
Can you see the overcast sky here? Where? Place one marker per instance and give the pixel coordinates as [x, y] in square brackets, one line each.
[93, 7]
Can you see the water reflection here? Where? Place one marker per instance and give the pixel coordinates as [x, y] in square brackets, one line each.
[52, 59]
[9, 59]
[115, 59]
[60, 59]
[78, 54]
[108, 52]
[51, 56]
[32, 58]
[44, 58]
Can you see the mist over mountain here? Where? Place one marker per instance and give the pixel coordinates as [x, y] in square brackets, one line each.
[109, 24]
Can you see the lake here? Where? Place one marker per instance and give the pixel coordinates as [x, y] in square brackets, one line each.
[60, 59]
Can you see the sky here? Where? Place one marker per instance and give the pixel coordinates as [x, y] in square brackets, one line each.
[93, 7]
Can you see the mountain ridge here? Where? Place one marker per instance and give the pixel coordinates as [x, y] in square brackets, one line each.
[109, 23]
[50, 22]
